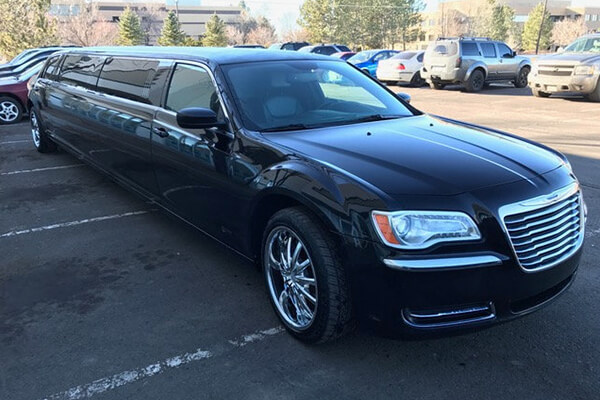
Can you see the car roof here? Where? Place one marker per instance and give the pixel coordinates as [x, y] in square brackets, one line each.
[218, 55]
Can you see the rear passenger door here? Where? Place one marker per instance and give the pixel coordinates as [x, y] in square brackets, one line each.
[490, 57]
[191, 164]
[119, 118]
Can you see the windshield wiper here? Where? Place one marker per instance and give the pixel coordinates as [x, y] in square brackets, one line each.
[374, 117]
[290, 127]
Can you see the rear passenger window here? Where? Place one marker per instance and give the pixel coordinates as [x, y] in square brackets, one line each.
[128, 78]
[470, 49]
[81, 70]
[192, 87]
[420, 57]
[488, 50]
[52, 67]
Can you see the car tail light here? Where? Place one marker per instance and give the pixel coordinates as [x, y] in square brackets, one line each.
[458, 62]
[400, 67]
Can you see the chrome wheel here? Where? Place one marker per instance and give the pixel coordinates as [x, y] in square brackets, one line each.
[35, 129]
[9, 112]
[291, 278]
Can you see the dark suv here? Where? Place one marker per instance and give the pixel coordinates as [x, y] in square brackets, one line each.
[354, 203]
[325, 49]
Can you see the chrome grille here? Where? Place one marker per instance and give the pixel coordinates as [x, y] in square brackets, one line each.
[556, 70]
[548, 231]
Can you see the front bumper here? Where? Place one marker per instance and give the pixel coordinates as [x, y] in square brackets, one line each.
[584, 84]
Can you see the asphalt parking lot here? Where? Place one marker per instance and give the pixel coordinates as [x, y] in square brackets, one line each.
[103, 296]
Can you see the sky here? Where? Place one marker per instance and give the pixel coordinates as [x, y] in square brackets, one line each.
[284, 13]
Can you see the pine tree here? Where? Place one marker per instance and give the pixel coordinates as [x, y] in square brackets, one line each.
[171, 34]
[532, 26]
[501, 22]
[130, 29]
[215, 35]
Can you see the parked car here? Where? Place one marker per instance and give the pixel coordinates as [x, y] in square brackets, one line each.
[404, 67]
[248, 46]
[354, 203]
[29, 57]
[576, 70]
[368, 60]
[325, 49]
[473, 62]
[344, 55]
[293, 46]
[13, 95]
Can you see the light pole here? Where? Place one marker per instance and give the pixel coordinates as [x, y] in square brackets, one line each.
[537, 44]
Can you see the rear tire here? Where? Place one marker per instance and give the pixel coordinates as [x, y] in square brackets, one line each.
[308, 290]
[436, 85]
[475, 82]
[521, 80]
[416, 80]
[11, 110]
[41, 141]
[539, 93]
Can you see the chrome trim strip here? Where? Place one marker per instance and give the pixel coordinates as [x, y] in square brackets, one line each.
[443, 263]
[539, 202]
[407, 315]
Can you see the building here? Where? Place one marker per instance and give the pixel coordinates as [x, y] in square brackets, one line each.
[456, 17]
[192, 15]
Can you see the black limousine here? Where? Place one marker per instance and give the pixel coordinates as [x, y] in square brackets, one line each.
[356, 205]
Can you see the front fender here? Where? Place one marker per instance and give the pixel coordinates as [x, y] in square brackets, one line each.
[341, 203]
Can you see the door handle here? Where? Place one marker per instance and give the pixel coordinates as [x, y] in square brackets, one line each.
[162, 132]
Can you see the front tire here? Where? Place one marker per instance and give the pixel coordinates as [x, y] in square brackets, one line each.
[595, 95]
[539, 93]
[42, 143]
[11, 110]
[306, 282]
[475, 82]
[521, 80]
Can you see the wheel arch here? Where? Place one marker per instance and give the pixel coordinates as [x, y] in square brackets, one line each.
[479, 65]
[12, 96]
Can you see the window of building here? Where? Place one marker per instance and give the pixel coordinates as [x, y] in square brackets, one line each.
[594, 17]
[81, 70]
[128, 78]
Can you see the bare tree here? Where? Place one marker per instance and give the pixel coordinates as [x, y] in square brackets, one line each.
[567, 30]
[151, 18]
[262, 35]
[234, 35]
[298, 35]
[85, 27]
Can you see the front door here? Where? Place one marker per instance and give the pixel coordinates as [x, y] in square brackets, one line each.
[191, 164]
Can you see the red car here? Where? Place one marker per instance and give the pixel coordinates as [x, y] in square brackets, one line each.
[13, 95]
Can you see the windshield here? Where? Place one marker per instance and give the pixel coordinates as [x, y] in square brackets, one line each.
[441, 48]
[585, 45]
[302, 94]
[361, 57]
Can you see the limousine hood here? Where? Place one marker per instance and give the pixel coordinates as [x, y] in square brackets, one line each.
[422, 155]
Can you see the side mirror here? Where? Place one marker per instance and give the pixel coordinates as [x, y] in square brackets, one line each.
[199, 118]
[404, 96]
[514, 53]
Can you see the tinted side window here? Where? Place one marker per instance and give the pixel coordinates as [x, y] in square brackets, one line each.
[192, 86]
[470, 49]
[326, 50]
[488, 50]
[288, 46]
[81, 70]
[504, 50]
[343, 48]
[129, 78]
[52, 68]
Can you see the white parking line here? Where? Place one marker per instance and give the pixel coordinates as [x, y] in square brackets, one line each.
[72, 223]
[112, 382]
[16, 141]
[24, 171]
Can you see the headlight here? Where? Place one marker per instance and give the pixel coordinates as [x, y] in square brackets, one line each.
[584, 70]
[422, 229]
